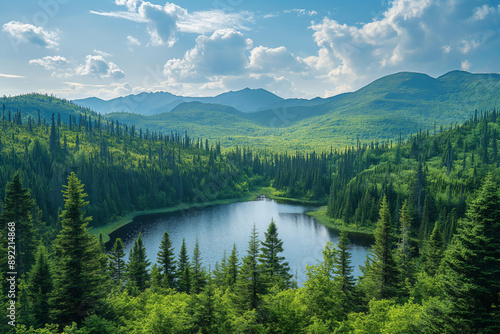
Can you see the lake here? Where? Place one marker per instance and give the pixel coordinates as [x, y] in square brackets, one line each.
[218, 227]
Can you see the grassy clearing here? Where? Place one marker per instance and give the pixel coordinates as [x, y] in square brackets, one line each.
[322, 217]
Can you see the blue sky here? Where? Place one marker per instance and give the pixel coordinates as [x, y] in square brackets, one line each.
[111, 48]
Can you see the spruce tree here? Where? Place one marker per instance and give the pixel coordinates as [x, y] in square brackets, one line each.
[250, 285]
[166, 262]
[137, 267]
[198, 275]
[434, 253]
[37, 289]
[78, 261]
[405, 249]
[276, 270]
[232, 269]
[472, 265]
[183, 270]
[117, 262]
[17, 208]
[384, 269]
[344, 279]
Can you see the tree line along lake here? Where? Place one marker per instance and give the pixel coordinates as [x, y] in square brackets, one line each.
[218, 227]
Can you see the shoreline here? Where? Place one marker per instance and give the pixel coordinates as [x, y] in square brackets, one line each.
[336, 224]
[269, 192]
[109, 228]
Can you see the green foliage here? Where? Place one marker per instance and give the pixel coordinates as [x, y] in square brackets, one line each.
[166, 261]
[275, 270]
[117, 262]
[79, 273]
[137, 267]
[472, 264]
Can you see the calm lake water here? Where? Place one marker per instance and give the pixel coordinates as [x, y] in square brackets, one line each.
[218, 227]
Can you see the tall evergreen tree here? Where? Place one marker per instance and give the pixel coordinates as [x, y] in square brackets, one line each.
[274, 267]
[250, 285]
[17, 208]
[434, 253]
[472, 265]
[404, 250]
[232, 269]
[166, 261]
[78, 260]
[37, 290]
[117, 262]
[137, 266]
[198, 275]
[344, 279]
[184, 270]
[54, 143]
[384, 268]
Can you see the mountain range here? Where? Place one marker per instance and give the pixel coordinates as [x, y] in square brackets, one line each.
[394, 105]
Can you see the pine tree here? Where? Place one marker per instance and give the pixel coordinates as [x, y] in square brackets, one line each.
[17, 208]
[117, 262]
[274, 268]
[404, 250]
[344, 279]
[166, 262]
[232, 269]
[37, 290]
[472, 265]
[198, 275]
[384, 269]
[78, 261]
[137, 266]
[183, 270]
[54, 144]
[434, 252]
[250, 285]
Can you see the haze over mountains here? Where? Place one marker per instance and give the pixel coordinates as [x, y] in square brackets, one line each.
[403, 103]
[245, 100]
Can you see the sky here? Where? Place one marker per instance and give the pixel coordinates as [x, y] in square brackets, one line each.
[304, 49]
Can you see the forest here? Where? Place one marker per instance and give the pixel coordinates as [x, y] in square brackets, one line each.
[431, 200]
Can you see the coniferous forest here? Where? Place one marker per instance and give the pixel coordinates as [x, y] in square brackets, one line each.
[431, 201]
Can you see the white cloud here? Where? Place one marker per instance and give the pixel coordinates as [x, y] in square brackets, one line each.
[223, 53]
[132, 41]
[264, 59]
[28, 33]
[480, 13]
[163, 22]
[49, 62]
[411, 35]
[11, 76]
[465, 65]
[97, 66]
[301, 12]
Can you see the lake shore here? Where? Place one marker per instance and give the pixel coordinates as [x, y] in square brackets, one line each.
[320, 214]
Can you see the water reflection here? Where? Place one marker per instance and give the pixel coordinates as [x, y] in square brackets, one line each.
[218, 227]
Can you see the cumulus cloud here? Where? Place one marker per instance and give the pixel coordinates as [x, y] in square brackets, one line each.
[264, 59]
[97, 66]
[28, 33]
[222, 53]
[49, 62]
[418, 35]
[163, 22]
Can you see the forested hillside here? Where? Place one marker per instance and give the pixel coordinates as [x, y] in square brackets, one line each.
[432, 201]
[404, 102]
